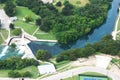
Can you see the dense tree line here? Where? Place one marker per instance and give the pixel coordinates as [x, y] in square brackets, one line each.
[17, 63]
[72, 22]
[43, 55]
[107, 46]
[10, 8]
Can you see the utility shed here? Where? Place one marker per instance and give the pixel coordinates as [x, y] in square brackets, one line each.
[46, 69]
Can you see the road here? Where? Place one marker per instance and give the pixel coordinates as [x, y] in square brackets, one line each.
[77, 71]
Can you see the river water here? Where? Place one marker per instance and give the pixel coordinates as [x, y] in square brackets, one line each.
[106, 28]
[55, 48]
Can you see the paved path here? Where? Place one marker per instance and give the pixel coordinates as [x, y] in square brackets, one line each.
[77, 71]
[115, 32]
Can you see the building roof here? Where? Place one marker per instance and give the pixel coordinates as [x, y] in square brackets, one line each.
[46, 69]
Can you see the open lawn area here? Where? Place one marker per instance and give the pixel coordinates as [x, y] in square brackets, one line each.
[2, 6]
[87, 73]
[5, 35]
[118, 25]
[1, 40]
[21, 12]
[32, 69]
[30, 27]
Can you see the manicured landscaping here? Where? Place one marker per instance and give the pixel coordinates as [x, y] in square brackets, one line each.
[1, 40]
[32, 69]
[21, 12]
[29, 28]
[48, 36]
[118, 25]
[5, 35]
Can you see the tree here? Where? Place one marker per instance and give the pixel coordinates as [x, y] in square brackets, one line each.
[38, 21]
[58, 4]
[13, 45]
[26, 74]
[17, 32]
[10, 8]
[11, 26]
[43, 55]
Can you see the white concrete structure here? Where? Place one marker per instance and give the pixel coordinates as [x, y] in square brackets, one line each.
[47, 1]
[13, 19]
[46, 69]
[102, 61]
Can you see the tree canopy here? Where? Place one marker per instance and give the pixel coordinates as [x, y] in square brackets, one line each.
[72, 22]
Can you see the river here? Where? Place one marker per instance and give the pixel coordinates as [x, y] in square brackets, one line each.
[98, 33]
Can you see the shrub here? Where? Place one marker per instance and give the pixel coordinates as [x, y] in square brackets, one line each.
[43, 55]
[14, 74]
[17, 32]
[26, 74]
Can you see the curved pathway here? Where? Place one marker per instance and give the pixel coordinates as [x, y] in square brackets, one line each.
[115, 32]
[77, 71]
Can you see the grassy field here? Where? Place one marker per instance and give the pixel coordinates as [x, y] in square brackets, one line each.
[30, 27]
[5, 35]
[2, 6]
[42, 35]
[87, 73]
[32, 69]
[21, 12]
[118, 25]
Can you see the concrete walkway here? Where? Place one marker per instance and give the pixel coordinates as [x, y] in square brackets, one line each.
[77, 71]
[115, 32]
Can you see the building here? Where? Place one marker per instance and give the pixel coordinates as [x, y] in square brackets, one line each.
[46, 69]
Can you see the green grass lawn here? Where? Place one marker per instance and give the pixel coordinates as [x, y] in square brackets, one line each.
[32, 69]
[21, 12]
[5, 35]
[2, 6]
[86, 73]
[1, 40]
[29, 28]
[118, 25]
[78, 3]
